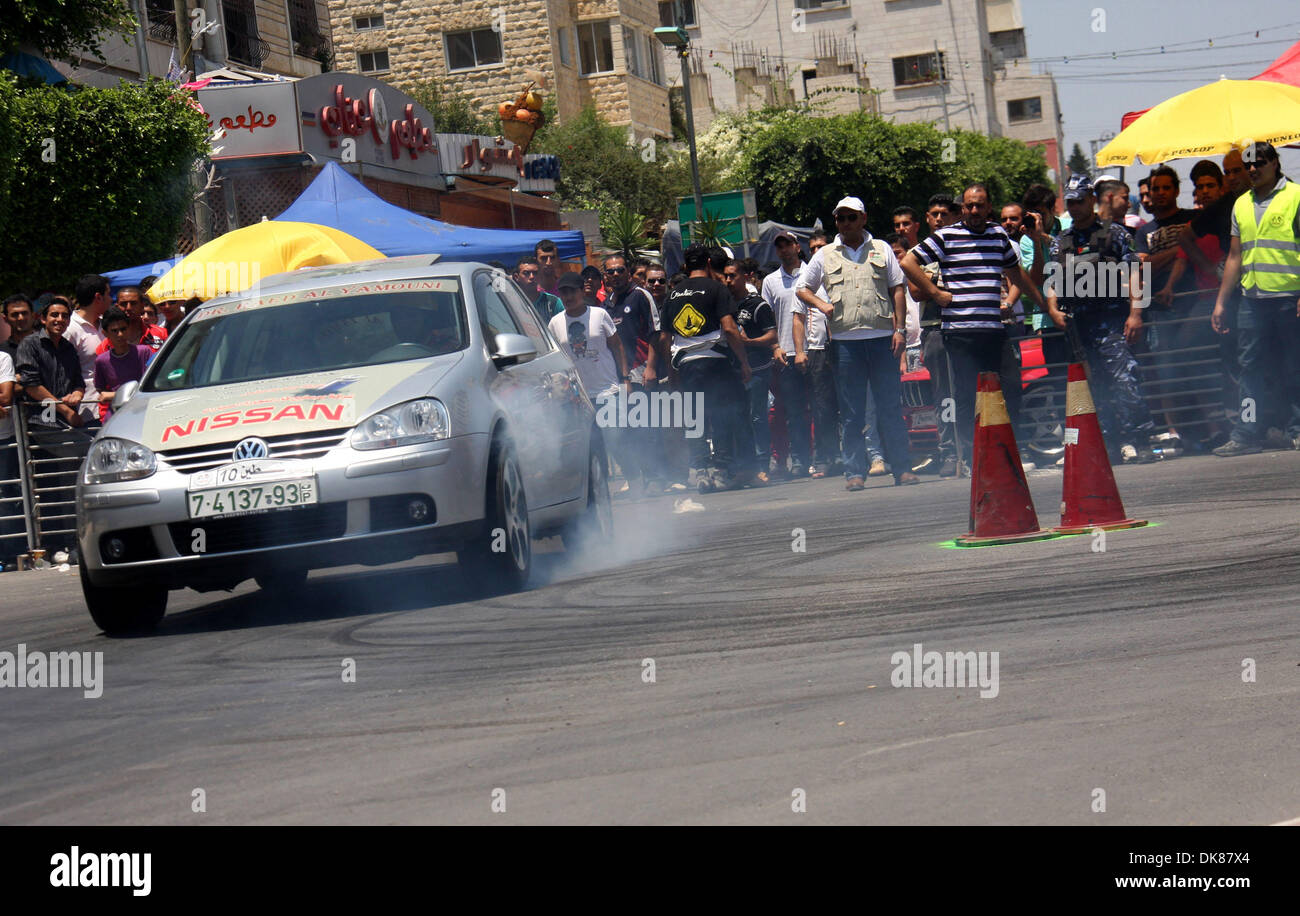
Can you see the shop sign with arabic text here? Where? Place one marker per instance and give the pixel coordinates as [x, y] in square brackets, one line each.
[253, 119]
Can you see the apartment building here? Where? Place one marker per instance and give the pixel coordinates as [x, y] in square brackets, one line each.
[599, 52]
[285, 37]
[957, 63]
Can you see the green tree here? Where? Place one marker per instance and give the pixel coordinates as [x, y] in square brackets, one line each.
[1078, 162]
[62, 28]
[601, 170]
[100, 180]
[799, 166]
[454, 112]
[1005, 166]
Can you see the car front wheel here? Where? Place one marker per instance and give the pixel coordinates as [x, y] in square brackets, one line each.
[502, 558]
[119, 611]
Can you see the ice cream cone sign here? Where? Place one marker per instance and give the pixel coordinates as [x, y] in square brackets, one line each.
[522, 118]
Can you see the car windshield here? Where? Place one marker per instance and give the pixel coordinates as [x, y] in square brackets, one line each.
[313, 331]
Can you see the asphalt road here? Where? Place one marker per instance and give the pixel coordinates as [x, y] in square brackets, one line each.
[1119, 670]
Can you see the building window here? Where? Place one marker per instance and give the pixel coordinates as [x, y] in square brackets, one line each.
[632, 53]
[1010, 43]
[373, 21]
[162, 20]
[919, 68]
[640, 53]
[652, 52]
[666, 14]
[819, 4]
[372, 61]
[566, 48]
[595, 48]
[479, 48]
[304, 29]
[243, 44]
[1025, 109]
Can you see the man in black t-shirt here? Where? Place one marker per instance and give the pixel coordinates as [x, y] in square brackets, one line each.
[1178, 325]
[633, 311]
[1157, 241]
[698, 327]
[758, 330]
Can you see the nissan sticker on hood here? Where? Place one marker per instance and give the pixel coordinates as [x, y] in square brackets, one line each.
[270, 407]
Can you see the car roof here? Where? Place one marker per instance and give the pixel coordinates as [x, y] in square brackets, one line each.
[378, 270]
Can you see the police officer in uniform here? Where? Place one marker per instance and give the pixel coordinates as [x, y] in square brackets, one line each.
[1104, 304]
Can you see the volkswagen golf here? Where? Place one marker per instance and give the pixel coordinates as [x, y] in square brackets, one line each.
[364, 413]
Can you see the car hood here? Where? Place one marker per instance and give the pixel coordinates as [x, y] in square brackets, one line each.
[338, 399]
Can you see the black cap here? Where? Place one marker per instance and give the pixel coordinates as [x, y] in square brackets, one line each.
[568, 280]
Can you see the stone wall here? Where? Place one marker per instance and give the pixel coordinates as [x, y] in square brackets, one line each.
[413, 35]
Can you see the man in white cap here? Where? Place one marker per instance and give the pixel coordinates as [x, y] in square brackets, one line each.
[867, 313]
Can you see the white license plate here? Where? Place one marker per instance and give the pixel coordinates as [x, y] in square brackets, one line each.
[248, 498]
[924, 418]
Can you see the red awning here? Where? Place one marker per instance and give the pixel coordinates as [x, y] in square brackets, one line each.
[1286, 69]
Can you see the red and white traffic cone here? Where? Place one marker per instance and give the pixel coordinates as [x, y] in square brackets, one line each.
[1001, 509]
[1089, 497]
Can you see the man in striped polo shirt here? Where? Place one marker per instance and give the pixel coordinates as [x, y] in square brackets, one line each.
[973, 256]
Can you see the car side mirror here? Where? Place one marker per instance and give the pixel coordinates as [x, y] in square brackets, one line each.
[124, 394]
[512, 350]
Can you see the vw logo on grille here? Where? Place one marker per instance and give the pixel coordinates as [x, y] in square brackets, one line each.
[251, 447]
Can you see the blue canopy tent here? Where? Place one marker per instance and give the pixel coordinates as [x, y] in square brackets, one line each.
[337, 199]
[33, 67]
[133, 276]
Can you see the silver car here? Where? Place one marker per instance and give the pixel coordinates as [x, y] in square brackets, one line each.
[358, 414]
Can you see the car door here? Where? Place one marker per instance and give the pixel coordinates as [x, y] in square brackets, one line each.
[566, 404]
[521, 392]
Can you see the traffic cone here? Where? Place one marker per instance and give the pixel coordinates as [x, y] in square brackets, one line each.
[1001, 509]
[1089, 497]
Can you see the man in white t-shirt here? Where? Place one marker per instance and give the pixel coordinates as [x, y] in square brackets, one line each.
[792, 384]
[588, 335]
[93, 299]
[811, 356]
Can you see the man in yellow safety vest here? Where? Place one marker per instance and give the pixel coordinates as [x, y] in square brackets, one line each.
[1265, 258]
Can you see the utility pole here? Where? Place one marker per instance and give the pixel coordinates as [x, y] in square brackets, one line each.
[141, 20]
[676, 37]
[183, 41]
[199, 210]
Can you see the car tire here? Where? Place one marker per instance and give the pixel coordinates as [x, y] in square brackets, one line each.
[1042, 421]
[121, 611]
[282, 582]
[507, 513]
[595, 526]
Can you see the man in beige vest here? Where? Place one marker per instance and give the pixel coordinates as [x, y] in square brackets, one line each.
[867, 314]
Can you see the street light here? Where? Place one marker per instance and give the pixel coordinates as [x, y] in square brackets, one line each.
[675, 37]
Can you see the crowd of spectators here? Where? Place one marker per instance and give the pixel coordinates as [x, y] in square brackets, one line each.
[798, 362]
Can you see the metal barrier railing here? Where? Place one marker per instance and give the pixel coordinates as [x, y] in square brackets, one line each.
[1169, 377]
[46, 455]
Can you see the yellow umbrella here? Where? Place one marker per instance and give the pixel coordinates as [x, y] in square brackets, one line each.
[1209, 121]
[240, 259]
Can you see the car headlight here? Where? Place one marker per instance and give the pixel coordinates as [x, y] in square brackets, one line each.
[113, 460]
[425, 420]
